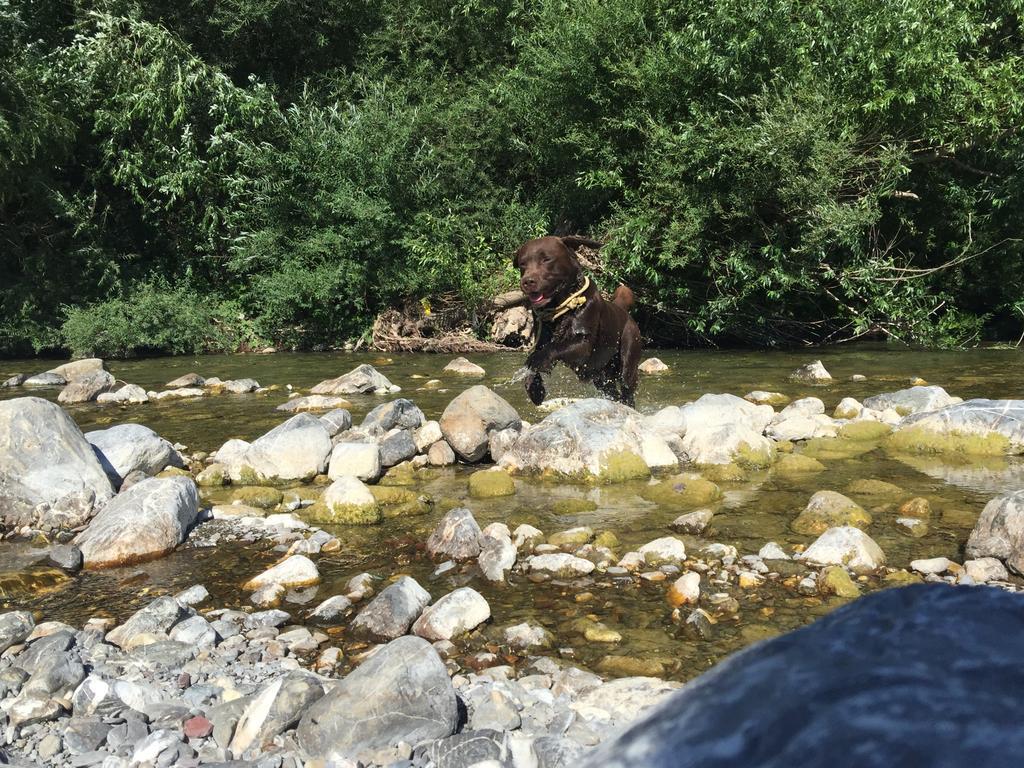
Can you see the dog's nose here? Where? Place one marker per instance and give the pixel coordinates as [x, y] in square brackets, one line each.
[528, 284]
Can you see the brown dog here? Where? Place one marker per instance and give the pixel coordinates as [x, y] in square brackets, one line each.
[596, 338]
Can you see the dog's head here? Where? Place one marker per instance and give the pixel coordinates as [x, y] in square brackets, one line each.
[548, 267]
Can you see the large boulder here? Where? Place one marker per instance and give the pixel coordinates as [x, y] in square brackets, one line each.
[401, 693]
[44, 458]
[999, 532]
[591, 439]
[87, 387]
[974, 427]
[298, 449]
[132, 447]
[722, 429]
[471, 416]
[76, 369]
[828, 509]
[912, 400]
[146, 521]
[924, 675]
[360, 380]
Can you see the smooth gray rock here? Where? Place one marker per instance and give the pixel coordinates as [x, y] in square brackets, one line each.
[469, 418]
[360, 380]
[468, 748]
[336, 421]
[127, 448]
[456, 537]
[400, 413]
[148, 520]
[84, 734]
[156, 618]
[397, 447]
[15, 626]
[401, 693]
[44, 458]
[392, 612]
[912, 400]
[869, 685]
[298, 449]
[277, 707]
[999, 422]
[66, 556]
[999, 532]
[45, 379]
[56, 678]
[86, 388]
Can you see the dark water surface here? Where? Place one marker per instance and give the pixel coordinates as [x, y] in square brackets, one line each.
[753, 511]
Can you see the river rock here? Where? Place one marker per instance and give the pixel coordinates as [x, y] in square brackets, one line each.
[454, 614]
[497, 555]
[129, 393]
[400, 414]
[359, 460]
[456, 537]
[499, 441]
[685, 590]
[427, 434]
[560, 564]
[666, 550]
[469, 418]
[440, 454]
[148, 520]
[722, 429]
[490, 483]
[392, 612]
[846, 546]
[76, 369]
[239, 386]
[186, 380]
[331, 609]
[277, 707]
[999, 532]
[295, 571]
[761, 397]
[974, 427]
[362, 379]
[527, 636]
[693, 522]
[985, 569]
[126, 448]
[652, 365]
[182, 393]
[401, 693]
[298, 449]
[812, 373]
[315, 403]
[338, 420]
[45, 380]
[15, 626]
[855, 692]
[464, 367]
[828, 509]
[155, 619]
[86, 388]
[44, 458]
[13, 381]
[66, 556]
[397, 446]
[912, 400]
[591, 439]
[346, 501]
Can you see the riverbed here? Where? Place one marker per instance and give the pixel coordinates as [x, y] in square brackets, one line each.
[755, 509]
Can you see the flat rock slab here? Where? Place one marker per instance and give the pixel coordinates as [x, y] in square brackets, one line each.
[864, 686]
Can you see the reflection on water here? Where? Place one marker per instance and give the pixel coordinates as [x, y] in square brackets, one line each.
[755, 509]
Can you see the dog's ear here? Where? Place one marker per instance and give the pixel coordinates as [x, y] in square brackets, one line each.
[515, 256]
[572, 242]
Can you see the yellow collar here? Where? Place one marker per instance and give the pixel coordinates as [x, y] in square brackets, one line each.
[574, 301]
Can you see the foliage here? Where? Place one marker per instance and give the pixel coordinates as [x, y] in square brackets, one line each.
[771, 173]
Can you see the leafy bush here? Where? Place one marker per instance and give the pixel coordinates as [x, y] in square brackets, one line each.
[157, 318]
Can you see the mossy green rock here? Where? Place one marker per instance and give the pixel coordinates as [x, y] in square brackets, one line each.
[864, 430]
[400, 474]
[572, 538]
[212, 476]
[573, 506]
[621, 466]
[753, 457]
[389, 495]
[920, 440]
[826, 448]
[872, 487]
[828, 509]
[489, 484]
[902, 578]
[606, 539]
[797, 464]
[173, 472]
[682, 491]
[724, 473]
[834, 580]
[630, 666]
[258, 496]
[420, 504]
[321, 514]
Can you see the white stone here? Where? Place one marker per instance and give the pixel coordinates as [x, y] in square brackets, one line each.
[296, 571]
[454, 614]
[464, 367]
[428, 434]
[847, 546]
[652, 365]
[772, 551]
[666, 550]
[359, 460]
[560, 564]
[932, 565]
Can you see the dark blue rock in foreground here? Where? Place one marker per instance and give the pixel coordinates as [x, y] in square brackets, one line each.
[921, 676]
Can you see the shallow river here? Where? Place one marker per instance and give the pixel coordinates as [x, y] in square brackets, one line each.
[753, 511]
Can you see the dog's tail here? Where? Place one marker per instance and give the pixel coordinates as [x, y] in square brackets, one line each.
[623, 298]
